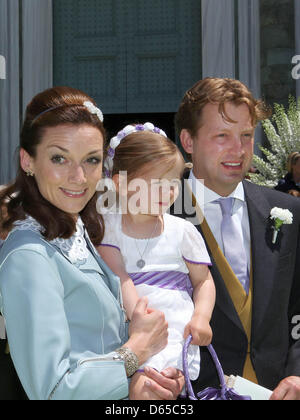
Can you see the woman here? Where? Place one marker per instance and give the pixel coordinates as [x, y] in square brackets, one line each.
[291, 182]
[63, 307]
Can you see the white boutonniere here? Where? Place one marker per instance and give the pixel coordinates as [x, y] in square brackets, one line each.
[280, 217]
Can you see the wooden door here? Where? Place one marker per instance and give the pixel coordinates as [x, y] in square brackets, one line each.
[132, 56]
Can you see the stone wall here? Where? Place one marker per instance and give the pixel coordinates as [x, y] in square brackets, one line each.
[277, 50]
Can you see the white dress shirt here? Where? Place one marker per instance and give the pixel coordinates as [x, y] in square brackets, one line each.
[213, 214]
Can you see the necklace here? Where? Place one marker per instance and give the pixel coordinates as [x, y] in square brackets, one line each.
[141, 262]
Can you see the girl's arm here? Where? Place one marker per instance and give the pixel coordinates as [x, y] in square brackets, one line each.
[204, 297]
[113, 258]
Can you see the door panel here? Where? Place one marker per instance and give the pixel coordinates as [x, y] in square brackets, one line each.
[90, 50]
[132, 56]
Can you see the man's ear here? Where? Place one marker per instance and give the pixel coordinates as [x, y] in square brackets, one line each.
[186, 141]
[26, 161]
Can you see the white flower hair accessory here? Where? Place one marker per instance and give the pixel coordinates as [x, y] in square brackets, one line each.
[94, 110]
[280, 217]
[115, 141]
[89, 106]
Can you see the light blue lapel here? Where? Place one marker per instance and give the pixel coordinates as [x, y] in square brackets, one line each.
[111, 279]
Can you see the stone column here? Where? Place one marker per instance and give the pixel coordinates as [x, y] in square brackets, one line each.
[297, 43]
[218, 38]
[249, 52]
[26, 68]
[249, 44]
[9, 88]
[37, 54]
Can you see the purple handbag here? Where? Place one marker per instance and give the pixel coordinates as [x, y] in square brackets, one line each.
[224, 393]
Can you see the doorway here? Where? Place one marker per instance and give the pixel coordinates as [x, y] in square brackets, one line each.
[136, 58]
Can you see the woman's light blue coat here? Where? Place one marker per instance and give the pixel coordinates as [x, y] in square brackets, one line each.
[62, 321]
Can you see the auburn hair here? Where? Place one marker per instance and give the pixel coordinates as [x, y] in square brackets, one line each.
[50, 108]
[217, 91]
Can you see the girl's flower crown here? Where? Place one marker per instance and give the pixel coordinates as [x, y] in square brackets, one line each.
[115, 141]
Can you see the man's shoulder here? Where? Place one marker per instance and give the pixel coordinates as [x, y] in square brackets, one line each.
[274, 197]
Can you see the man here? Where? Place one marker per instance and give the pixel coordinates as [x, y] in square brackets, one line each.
[258, 287]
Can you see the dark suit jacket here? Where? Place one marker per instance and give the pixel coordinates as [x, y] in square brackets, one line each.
[276, 299]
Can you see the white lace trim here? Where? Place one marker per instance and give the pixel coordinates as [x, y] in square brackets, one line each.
[74, 248]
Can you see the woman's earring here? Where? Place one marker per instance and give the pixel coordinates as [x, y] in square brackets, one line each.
[29, 172]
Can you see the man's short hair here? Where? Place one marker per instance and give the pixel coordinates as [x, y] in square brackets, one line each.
[217, 91]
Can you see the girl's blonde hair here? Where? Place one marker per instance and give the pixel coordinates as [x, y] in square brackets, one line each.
[138, 151]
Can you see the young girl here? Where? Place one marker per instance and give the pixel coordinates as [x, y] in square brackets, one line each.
[155, 254]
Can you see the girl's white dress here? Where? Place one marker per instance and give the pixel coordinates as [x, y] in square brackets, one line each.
[164, 279]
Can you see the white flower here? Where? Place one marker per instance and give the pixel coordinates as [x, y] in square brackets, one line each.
[109, 164]
[283, 215]
[114, 143]
[149, 126]
[94, 110]
[128, 129]
[280, 217]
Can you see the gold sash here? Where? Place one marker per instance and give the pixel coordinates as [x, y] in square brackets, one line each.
[242, 302]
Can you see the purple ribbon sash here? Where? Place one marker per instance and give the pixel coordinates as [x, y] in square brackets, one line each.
[171, 280]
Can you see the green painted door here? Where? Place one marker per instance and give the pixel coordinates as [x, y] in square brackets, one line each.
[132, 56]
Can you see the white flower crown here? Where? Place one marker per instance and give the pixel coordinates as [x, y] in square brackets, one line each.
[115, 141]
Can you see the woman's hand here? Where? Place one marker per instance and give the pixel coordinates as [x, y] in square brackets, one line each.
[148, 331]
[166, 385]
